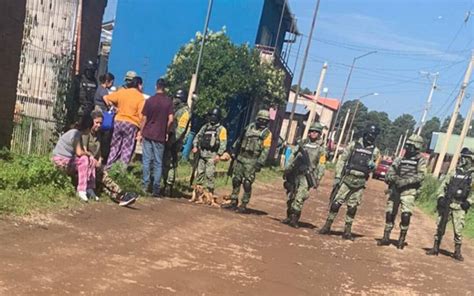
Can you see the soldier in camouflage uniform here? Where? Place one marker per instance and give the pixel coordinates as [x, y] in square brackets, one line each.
[404, 179]
[254, 148]
[296, 182]
[209, 144]
[175, 140]
[456, 197]
[352, 171]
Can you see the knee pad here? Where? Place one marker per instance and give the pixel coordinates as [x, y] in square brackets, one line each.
[235, 182]
[335, 207]
[351, 211]
[247, 185]
[389, 219]
[405, 219]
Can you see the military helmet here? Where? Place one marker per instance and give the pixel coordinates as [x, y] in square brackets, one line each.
[316, 126]
[130, 75]
[90, 65]
[263, 114]
[416, 141]
[181, 94]
[465, 152]
[373, 130]
[214, 115]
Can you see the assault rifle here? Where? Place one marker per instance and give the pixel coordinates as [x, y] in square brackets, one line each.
[443, 211]
[235, 154]
[196, 157]
[308, 168]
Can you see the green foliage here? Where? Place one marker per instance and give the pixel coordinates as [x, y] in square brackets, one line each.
[228, 71]
[457, 125]
[28, 183]
[129, 179]
[432, 125]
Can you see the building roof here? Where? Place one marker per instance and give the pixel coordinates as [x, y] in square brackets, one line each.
[300, 109]
[437, 140]
[330, 103]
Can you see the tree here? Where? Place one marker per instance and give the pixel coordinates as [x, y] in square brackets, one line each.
[399, 126]
[359, 121]
[432, 125]
[231, 76]
[305, 91]
[457, 125]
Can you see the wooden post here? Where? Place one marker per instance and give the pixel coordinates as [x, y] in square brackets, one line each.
[465, 129]
[341, 135]
[312, 111]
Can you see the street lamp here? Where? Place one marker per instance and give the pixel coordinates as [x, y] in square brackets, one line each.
[346, 86]
[354, 114]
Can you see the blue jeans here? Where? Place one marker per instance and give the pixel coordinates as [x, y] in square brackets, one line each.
[152, 156]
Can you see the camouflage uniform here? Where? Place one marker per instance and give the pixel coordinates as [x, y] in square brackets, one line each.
[404, 178]
[252, 156]
[175, 142]
[455, 196]
[211, 140]
[296, 182]
[352, 171]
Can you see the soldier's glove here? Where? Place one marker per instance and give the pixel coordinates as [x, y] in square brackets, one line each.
[258, 167]
[465, 206]
[336, 182]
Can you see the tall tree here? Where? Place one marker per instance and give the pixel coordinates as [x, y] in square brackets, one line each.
[432, 125]
[457, 125]
[399, 126]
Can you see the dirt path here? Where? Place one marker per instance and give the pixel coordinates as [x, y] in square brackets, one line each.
[171, 247]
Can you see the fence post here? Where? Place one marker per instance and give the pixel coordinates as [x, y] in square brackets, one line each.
[30, 137]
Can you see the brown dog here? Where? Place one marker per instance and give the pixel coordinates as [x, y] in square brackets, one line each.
[202, 196]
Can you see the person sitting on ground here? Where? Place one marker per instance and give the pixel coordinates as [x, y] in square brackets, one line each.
[69, 154]
[92, 144]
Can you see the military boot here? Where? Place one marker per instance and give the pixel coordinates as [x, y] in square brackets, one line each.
[435, 250]
[232, 206]
[327, 227]
[288, 216]
[294, 218]
[401, 239]
[242, 209]
[347, 235]
[385, 241]
[457, 253]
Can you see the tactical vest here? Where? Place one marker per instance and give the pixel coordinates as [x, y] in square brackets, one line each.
[408, 168]
[313, 152]
[360, 158]
[252, 144]
[459, 187]
[210, 138]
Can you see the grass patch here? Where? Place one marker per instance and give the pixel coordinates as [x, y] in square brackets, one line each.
[32, 183]
[427, 203]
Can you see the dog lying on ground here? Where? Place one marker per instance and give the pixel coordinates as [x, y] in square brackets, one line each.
[202, 196]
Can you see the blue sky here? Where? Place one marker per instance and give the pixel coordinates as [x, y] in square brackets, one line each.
[409, 35]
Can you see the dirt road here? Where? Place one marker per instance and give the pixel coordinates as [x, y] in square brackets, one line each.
[171, 247]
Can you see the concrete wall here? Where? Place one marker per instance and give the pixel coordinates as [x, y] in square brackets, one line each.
[12, 17]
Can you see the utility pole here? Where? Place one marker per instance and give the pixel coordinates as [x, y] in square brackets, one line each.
[454, 116]
[300, 79]
[341, 135]
[403, 143]
[194, 78]
[428, 101]
[398, 145]
[465, 129]
[346, 86]
[312, 112]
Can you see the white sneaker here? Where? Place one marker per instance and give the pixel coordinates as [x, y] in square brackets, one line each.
[83, 196]
[91, 194]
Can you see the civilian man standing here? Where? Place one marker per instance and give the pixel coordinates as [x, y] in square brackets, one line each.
[157, 121]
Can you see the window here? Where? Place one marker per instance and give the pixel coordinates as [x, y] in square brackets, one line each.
[266, 37]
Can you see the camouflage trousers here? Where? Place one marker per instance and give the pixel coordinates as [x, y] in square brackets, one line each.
[243, 175]
[349, 195]
[107, 184]
[457, 217]
[406, 202]
[170, 165]
[300, 194]
[206, 172]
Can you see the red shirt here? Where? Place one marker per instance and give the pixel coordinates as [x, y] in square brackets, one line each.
[157, 109]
